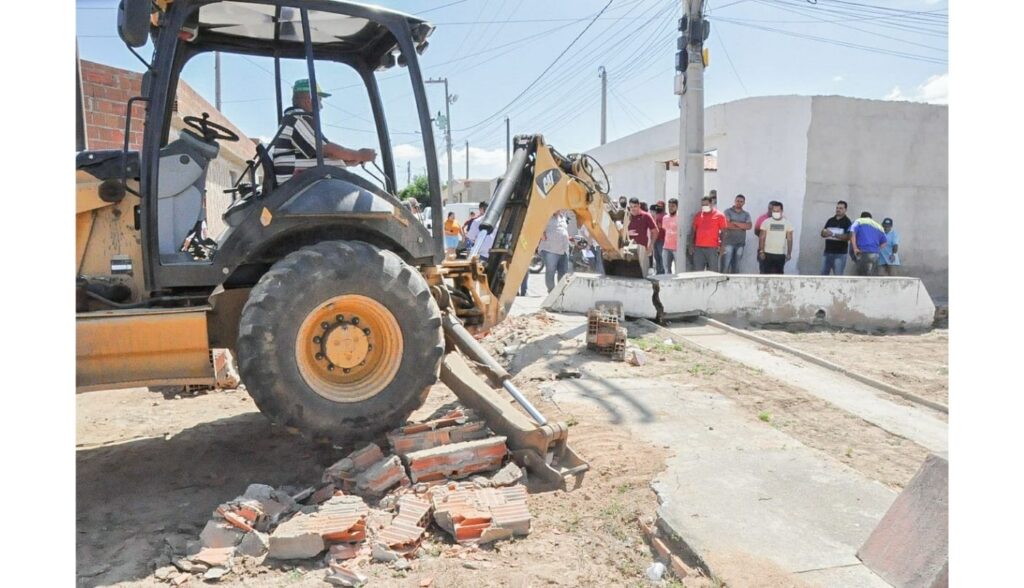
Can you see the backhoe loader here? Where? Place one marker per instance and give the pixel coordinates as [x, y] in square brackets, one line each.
[337, 302]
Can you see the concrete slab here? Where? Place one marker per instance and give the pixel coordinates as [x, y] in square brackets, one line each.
[739, 491]
[910, 547]
[919, 424]
[863, 303]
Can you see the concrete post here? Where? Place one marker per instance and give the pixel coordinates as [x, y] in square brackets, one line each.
[690, 87]
[216, 80]
[603, 74]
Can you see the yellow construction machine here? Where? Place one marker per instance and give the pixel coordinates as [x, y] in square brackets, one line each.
[338, 304]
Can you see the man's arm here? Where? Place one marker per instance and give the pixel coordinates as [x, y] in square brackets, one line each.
[789, 244]
[853, 240]
[654, 231]
[335, 151]
[738, 225]
[760, 245]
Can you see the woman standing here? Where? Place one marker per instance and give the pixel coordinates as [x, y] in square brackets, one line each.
[453, 233]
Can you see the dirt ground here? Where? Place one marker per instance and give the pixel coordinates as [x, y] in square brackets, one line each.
[149, 469]
[916, 363]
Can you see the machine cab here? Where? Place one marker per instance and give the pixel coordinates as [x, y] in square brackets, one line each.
[267, 218]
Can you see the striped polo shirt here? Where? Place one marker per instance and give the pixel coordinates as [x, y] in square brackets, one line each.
[295, 147]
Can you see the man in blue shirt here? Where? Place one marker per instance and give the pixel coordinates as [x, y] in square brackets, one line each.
[867, 238]
[889, 256]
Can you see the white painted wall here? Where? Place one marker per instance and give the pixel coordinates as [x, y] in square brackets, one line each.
[891, 159]
[762, 149]
[887, 157]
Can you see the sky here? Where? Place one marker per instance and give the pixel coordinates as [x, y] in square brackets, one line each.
[537, 62]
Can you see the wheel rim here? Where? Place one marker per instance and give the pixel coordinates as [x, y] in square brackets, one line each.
[349, 348]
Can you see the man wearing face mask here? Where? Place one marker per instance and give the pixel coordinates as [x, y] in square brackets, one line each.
[642, 231]
[707, 236]
[776, 242]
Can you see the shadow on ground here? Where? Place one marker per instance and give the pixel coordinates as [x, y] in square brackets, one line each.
[132, 495]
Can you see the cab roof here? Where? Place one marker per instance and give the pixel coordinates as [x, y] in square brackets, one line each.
[340, 27]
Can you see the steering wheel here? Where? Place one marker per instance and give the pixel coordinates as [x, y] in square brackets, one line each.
[210, 129]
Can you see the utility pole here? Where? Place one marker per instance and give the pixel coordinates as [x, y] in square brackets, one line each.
[689, 85]
[467, 159]
[216, 80]
[508, 142]
[448, 101]
[603, 74]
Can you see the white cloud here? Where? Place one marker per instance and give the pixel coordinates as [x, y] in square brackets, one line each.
[934, 90]
[838, 78]
[483, 163]
[408, 151]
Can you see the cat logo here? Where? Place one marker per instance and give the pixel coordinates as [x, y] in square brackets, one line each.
[547, 181]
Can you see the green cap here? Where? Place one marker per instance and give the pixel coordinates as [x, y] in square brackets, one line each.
[303, 86]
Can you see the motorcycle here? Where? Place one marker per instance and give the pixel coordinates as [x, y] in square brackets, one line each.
[581, 256]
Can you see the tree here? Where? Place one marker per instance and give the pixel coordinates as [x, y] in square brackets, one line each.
[417, 189]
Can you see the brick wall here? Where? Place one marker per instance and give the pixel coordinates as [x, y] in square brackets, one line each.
[105, 93]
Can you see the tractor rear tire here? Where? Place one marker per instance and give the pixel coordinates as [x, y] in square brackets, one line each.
[340, 340]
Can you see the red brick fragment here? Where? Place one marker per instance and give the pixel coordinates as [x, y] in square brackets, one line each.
[457, 460]
[406, 530]
[382, 476]
[234, 519]
[481, 515]
[452, 428]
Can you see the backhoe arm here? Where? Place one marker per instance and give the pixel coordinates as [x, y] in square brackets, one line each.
[548, 182]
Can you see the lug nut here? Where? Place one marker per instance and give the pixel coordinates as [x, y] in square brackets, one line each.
[319, 356]
[340, 318]
[362, 363]
[317, 339]
[355, 320]
[369, 347]
[324, 324]
[346, 370]
[330, 367]
[366, 332]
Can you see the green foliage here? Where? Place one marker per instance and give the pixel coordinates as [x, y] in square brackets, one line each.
[417, 189]
[765, 416]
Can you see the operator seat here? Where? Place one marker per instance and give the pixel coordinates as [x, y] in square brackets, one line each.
[181, 189]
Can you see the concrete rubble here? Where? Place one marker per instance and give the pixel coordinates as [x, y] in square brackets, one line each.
[448, 479]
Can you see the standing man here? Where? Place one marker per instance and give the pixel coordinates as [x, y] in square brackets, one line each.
[734, 240]
[642, 231]
[837, 241]
[888, 258]
[671, 226]
[867, 238]
[474, 232]
[554, 248]
[757, 231]
[776, 241]
[659, 243]
[707, 236]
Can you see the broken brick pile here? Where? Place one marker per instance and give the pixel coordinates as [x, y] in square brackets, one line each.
[408, 490]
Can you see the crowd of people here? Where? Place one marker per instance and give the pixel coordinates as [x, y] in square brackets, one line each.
[716, 239]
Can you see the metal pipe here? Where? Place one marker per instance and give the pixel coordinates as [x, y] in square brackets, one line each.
[314, 91]
[472, 349]
[508, 185]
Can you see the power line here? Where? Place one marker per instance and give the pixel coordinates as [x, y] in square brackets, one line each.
[838, 43]
[548, 68]
[577, 71]
[721, 41]
[787, 9]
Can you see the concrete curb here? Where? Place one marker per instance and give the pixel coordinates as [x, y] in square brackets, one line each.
[828, 364]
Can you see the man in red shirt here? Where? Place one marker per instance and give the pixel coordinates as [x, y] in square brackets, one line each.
[643, 231]
[707, 241]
